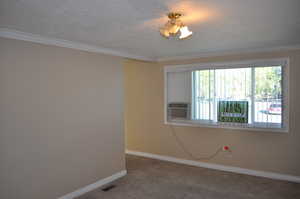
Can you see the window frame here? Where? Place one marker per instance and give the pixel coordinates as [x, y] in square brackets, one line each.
[284, 62]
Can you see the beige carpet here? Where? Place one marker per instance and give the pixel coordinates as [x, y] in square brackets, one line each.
[154, 179]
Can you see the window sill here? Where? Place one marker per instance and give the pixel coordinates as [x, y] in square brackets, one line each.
[190, 123]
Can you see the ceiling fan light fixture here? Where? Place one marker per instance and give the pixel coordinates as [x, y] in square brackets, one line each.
[185, 32]
[164, 32]
[173, 26]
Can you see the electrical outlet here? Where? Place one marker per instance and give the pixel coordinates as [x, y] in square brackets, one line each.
[228, 151]
[228, 155]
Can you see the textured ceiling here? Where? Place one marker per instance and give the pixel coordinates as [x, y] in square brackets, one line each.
[131, 26]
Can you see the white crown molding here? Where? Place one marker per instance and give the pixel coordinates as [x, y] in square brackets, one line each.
[14, 34]
[229, 52]
[93, 186]
[239, 170]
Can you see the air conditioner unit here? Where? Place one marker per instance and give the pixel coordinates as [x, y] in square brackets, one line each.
[178, 111]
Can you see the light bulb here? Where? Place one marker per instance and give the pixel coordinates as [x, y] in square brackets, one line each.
[184, 32]
[164, 32]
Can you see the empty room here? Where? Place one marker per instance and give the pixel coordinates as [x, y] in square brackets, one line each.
[149, 99]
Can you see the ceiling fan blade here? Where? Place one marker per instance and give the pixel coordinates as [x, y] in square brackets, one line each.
[155, 23]
[192, 12]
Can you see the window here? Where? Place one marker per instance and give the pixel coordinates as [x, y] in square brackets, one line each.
[250, 94]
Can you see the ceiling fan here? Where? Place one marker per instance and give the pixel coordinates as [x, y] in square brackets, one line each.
[180, 15]
[174, 25]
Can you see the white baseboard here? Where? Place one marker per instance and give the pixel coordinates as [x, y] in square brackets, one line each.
[93, 186]
[239, 170]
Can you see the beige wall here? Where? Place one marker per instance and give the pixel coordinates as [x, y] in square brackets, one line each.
[146, 132]
[61, 119]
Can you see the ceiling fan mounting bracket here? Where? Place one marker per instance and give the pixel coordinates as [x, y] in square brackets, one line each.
[174, 15]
